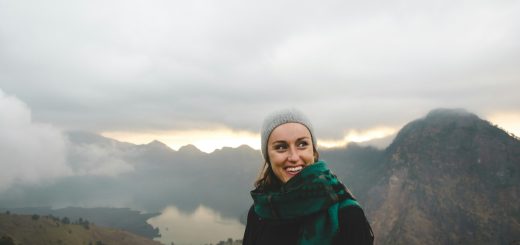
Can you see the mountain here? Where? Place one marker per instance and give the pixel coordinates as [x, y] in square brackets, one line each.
[448, 178]
[155, 177]
[356, 166]
[35, 229]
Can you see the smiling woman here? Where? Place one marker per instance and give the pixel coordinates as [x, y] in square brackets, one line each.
[290, 150]
[297, 199]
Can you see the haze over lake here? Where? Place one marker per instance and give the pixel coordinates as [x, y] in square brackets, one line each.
[203, 226]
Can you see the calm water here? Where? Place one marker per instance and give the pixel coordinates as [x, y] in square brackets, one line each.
[203, 226]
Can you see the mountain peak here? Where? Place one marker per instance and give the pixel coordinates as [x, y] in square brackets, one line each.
[88, 137]
[191, 149]
[85, 137]
[240, 147]
[440, 125]
[157, 144]
[450, 114]
[245, 147]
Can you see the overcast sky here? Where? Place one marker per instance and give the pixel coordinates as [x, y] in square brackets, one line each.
[183, 68]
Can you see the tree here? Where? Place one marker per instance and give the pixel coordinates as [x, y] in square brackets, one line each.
[85, 224]
[6, 240]
[65, 220]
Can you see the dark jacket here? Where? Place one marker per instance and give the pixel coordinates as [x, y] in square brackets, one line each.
[353, 229]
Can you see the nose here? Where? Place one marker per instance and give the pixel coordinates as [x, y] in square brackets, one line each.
[293, 155]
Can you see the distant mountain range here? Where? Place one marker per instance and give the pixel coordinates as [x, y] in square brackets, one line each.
[447, 178]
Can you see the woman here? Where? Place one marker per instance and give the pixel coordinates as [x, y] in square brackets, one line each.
[297, 199]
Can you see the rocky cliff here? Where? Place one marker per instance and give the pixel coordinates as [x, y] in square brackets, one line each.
[448, 178]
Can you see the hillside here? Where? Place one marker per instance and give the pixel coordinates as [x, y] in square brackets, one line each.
[119, 218]
[33, 229]
[449, 178]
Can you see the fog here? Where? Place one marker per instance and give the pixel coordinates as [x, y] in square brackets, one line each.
[30, 152]
[203, 226]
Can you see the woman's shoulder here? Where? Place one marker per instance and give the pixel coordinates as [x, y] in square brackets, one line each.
[353, 212]
[251, 214]
[354, 226]
[352, 216]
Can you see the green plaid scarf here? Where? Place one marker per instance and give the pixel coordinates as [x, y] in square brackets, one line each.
[316, 193]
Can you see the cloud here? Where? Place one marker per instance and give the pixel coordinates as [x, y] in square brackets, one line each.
[29, 152]
[95, 159]
[184, 65]
[34, 153]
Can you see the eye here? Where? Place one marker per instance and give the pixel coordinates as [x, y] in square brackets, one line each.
[280, 147]
[302, 144]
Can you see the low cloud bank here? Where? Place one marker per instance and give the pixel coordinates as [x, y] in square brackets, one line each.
[34, 153]
[92, 159]
[30, 152]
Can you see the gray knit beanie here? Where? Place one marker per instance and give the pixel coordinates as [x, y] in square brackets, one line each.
[278, 118]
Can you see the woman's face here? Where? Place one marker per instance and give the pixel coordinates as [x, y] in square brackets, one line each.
[290, 149]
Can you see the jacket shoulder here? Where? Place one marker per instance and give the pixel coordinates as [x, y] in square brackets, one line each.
[354, 226]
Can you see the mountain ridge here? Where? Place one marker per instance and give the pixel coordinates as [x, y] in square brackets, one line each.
[449, 164]
[446, 177]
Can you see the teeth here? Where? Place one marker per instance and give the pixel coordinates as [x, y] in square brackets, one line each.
[293, 169]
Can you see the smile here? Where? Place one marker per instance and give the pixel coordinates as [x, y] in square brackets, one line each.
[294, 170]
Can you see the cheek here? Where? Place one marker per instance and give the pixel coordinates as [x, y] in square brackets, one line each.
[278, 172]
[276, 161]
[309, 156]
[275, 157]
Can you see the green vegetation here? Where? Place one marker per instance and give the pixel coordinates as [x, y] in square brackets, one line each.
[6, 240]
[120, 218]
[65, 220]
[229, 241]
[35, 229]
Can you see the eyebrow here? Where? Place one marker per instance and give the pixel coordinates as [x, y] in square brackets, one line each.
[278, 142]
[283, 141]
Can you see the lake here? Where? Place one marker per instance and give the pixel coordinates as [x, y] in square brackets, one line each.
[203, 226]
